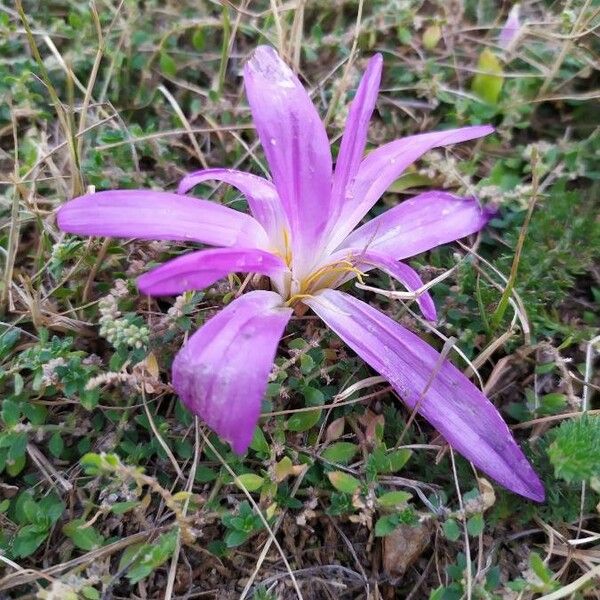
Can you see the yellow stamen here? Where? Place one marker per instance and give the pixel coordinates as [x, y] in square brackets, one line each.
[331, 281]
[288, 248]
[323, 270]
[342, 267]
[297, 297]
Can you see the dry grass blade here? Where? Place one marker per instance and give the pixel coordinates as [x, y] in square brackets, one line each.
[199, 155]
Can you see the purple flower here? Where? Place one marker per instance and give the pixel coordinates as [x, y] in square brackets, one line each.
[511, 28]
[303, 235]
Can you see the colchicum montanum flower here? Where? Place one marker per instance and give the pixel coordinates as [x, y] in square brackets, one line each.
[303, 235]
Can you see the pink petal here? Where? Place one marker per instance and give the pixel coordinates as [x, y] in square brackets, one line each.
[295, 144]
[511, 28]
[383, 166]
[417, 225]
[151, 215]
[221, 373]
[355, 134]
[261, 195]
[200, 269]
[406, 275]
[444, 396]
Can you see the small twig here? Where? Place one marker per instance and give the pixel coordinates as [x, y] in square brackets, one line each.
[503, 304]
[94, 270]
[159, 437]
[464, 524]
[186, 124]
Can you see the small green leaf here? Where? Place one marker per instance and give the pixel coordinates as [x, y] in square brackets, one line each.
[167, 65]
[90, 593]
[18, 446]
[92, 463]
[236, 538]
[393, 499]
[544, 368]
[451, 530]
[307, 364]
[475, 525]
[552, 404]
[283, 468]
[7, 340]
[217, 547]
[438, 594]
[398, 459]
[250, 481]
[404, 35]
[198, 39]
[11, 413]
[539, 568]
[303, 421]
[382, 461]
[31, 510]
[259, 442]
[120, 508]
[386, 525]
[130, 554]
[84, 538]
[205, 474]
[18, 383]
[148, 557]
[340, 452]
[56, 445]
[16, 466]
[343, 482]
[408, 181]
[89, 399]
[431, 36]
[51, 507]
[28, 540]
[488, 84]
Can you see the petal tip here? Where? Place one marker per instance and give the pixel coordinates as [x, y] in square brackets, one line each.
[266, 62]
[66, 215]
[537, 493]
[241, 442]
[376, 60]
[184, 186]
[143, 285]
[489, 212]
[60, 217]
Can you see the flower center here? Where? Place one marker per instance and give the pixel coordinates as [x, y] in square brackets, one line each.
[327, 276]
